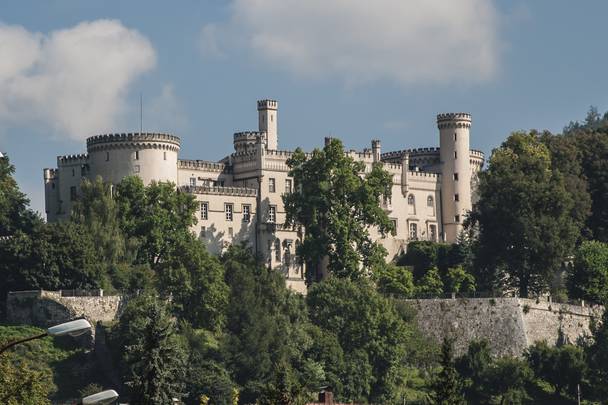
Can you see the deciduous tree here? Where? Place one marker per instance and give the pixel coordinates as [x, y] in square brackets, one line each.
[336, 203]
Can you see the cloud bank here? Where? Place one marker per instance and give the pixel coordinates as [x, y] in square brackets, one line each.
[74, 81]
[403, 41]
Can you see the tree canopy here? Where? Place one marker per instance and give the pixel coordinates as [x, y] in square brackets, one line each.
[336, 203]
[523, 217]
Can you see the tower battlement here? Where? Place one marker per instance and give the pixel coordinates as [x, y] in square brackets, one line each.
[133, 137]
[267, 104]
[454, 120]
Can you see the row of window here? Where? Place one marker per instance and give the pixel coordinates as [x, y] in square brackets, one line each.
[411, 200]
[414, 232]
[272, 185]
[276, 244]
[245, 210]
[135, 156]
[207, 182]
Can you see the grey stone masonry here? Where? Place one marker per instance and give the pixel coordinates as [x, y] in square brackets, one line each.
[47, 308]
[509, 325]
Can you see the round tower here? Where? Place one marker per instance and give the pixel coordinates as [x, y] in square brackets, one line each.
[456, 171]
[150, 156]
[267, 120]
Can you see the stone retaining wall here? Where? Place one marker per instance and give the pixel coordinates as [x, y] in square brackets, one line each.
[46, 308]
[510, 325]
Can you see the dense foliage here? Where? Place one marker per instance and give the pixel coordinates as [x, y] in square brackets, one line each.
[337, 205]
[227, 330]
[523, 217]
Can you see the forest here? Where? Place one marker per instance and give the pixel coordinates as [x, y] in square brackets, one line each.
[226, 330]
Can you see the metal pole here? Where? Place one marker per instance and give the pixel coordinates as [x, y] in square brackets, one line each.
[578, 393]
[16, 342]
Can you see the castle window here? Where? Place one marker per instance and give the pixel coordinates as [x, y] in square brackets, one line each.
[413, 231]
[271, 185]
[203, 232]
[455, 155]
[433, 233]
[192, 181]
[165, 155]
[456, 197]
[204, 210]
[228, 209]
[272, 214]
[107, 156]
[410, 199]
[429, 201]
[231, 232]
[455, 176]
[136, 155]
[73, 193]
[455, 138]
[246, 213]
[136, 169]
[457, 218]
[394, 223]
[288, 186]
[271, 118]
[277, 250]
[73, 173]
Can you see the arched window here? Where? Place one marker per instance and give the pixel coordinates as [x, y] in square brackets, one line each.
[277, 250]
[410, 199]
[429, 201]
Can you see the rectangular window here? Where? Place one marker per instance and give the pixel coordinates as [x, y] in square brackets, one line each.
[394, 222]
[246, 213]
[457, 218]
[456, 197]
[231, 232]
[288, 186]
[455, 138]
[165, 155]
[271, 185]
[107, 156]
[433, 232]
[203, 232]
[272, 214]
[413, 231]
[192, 181]
[204, 210]
[136, 169]
[228, 209]
[455, 155]
[136, 155]
[73, 173]
[455, 176]
[73, 193]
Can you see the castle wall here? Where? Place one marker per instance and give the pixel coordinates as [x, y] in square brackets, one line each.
[47, 308]
[216, 231]
[151, 157]
[510, 325]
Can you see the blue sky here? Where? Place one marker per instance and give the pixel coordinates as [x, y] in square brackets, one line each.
[354, 69]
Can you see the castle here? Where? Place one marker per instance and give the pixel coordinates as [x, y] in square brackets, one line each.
[240, 196]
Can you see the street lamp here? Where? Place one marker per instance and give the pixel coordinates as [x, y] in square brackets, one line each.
[72, 328]
[101, 398]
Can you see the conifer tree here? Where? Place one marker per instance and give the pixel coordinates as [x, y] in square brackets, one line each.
[447, 387]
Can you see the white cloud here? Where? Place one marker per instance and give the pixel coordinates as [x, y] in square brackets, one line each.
[405, 41]
[73, 81]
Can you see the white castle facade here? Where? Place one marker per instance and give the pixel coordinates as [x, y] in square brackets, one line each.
[240, 196]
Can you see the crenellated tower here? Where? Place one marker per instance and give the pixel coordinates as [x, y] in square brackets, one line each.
[455, 171]
[267, 119]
